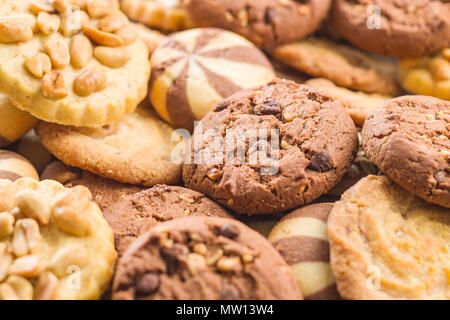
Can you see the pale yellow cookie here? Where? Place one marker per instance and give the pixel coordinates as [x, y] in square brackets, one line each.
[151, 38]
[54, 242]
[427, 76]
[70, 65]
[386, 243]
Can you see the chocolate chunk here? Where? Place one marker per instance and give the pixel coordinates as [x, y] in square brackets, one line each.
[230, 292]
[147, 284]
[440, 177]
[222, 106]
[172, 255]
[268, 108]
[229, 230]
[321, 162]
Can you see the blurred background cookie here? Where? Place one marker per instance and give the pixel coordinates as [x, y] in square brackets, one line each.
[301, 238]
[266, 23]
[428, 75]
[161, 14]
[14, 123]
[151, 38]
[31, 147]
[196, 69]
[344, 65]
[13, 166]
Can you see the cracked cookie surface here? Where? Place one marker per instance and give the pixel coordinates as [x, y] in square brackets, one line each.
[203, 258]
[271, 149]
[408, 138]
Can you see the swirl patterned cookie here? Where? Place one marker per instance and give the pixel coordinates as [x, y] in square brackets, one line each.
[13, 167]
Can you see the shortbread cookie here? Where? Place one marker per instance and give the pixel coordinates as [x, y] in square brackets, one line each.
[137, 149]
[271, 149]
[79, 67]
[301, 238]
[203, 258]
[428, 76]
[151, 38]
[345, 66]
[386, 243]
[30, 146]
[266, 23]
[105, 192]
[161, 14]
[283, 71]
[14, 123]
[54, 244]
[401, 28]
[132, 216]
[13, 167]
[408, 139]
[196, 69]
[358, 104]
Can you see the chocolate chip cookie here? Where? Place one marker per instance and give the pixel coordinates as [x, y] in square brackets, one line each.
[203, 258]
[264, 22]
[408, 139]
[401, 28]
[271, 149]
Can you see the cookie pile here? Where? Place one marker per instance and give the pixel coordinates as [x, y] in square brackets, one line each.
[224, 149]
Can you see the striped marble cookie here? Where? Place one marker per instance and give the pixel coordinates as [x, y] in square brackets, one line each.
[302, 240]
[14, 123]
[13, 167]
[196, 69]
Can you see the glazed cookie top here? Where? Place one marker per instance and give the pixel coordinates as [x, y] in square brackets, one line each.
[284, 145]
[388, 244]
[132, 216]
[48, 235]
[74, 62]
[264, 22]
[408, 139]
[203, 258]
[401, 28]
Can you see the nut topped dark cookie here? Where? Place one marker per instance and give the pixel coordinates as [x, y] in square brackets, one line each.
[264, 22]
[408, 139]
[271, 148]
[203, 258]
[401, 28]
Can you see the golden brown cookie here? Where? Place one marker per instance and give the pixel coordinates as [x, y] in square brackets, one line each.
[344, 65]
[31, 147]
[80, 66]
[428, 76]
[386, 243]
[135, 150]
[196, 69]
[13, 167]
[54, 243]
[151, 38]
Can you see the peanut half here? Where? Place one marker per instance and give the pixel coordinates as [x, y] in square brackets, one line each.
[58, 52]
[53, 86]
[80, 51]
[112, 57]
[103, 38]
[38, 65]
[14, 30]
[48, 23]
[90, 81]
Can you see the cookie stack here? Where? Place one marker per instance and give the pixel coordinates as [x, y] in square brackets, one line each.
[171, 158]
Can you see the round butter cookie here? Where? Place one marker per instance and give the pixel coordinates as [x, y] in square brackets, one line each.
[151, 38]
[14, 123]
[203, 258]
[161, 14]
[301, 238]
[429, 76]
[266, 23]
[132, 216]
[136, 150]
[13, 167]
[196, 69]
[70, 65]
[400, 28]
[344, 65]
[408, 138]
[54, 243]
[385, 243]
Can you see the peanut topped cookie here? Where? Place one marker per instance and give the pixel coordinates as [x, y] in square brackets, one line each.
[385, 243]
[73, 62]
[400, 28]
[203, 258]
[270, 149]
[266, 23]
[54, 242]
[408, 138]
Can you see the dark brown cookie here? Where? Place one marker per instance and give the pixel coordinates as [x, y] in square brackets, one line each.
[105, 192]
[266, 23]
[401, 28]
[132, 216]
[203, 258]
[408, 139]
[292, 144]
